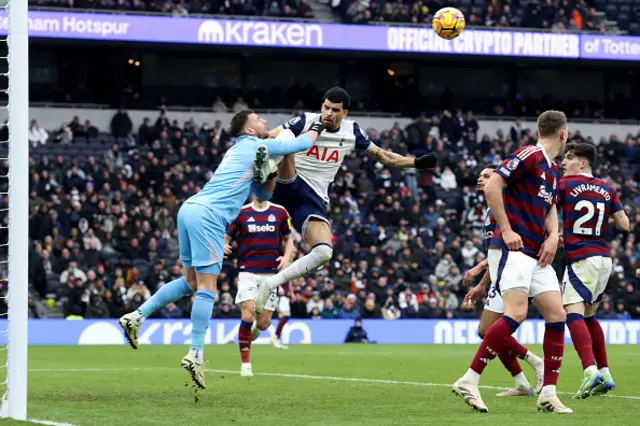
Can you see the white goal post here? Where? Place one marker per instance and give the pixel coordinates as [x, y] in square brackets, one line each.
[14, 404]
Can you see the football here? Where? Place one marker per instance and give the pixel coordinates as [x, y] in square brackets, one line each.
[448, 23]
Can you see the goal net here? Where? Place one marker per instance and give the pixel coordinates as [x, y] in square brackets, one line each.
[14, 202]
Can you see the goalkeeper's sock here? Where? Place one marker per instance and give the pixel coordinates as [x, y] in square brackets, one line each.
[168, 293]
[244, 341]
[200, 316]
[319, 255]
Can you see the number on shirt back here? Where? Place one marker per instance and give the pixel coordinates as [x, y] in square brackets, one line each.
[589, 208]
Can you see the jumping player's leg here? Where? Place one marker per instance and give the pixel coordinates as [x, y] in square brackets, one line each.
[318, 235]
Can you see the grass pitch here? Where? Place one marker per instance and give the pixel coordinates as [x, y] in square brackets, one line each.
[306, 385]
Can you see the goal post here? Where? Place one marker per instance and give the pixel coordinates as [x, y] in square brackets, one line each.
[15, 401]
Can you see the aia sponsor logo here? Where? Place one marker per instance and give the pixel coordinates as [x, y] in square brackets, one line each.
[324, 154]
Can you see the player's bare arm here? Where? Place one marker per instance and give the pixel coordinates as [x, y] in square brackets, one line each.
[548, 249]
[477, 291]
[621, 220]
[283, 261]
[390, 158]
[493, 192]
[475, 271]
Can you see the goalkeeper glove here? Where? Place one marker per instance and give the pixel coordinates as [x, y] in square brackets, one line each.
[317, 127]
[427, 161]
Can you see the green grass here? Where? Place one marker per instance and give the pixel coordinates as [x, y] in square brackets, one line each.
[118, 386]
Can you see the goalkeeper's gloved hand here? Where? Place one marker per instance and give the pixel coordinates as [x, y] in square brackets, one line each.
[317, 127]
[427, 161]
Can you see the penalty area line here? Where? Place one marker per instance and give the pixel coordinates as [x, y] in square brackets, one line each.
[47, 422]
[296, 376]
[387, 382]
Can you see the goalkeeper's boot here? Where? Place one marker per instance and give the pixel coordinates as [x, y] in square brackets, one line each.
[275, 342]
[255, 332]
[245, 370]
[263, 296]
[518, 391]
[131, 323]
[549, 402]
[592, 378]
[264, 167]
[605, 386]
[470, 394]
[196, 370]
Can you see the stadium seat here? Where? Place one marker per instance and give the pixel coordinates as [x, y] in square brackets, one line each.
[634, 29]
[612, 12]
[623, 22]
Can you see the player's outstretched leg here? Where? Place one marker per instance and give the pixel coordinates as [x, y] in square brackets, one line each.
[600, 353]
[318, 235]
[550, 305]
[168, 293]
[582, 343]
[201, 312]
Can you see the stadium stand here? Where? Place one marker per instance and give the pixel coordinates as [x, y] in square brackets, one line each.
[103, 207]
[585, 15]
[183, 8]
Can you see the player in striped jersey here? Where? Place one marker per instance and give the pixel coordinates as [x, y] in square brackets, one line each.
[587, 204]
[494, 308]
[521, 194]
[260, 229]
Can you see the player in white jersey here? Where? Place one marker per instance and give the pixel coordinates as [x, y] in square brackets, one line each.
[303, 181]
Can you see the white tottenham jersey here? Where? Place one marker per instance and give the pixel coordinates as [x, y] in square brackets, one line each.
[319, 165]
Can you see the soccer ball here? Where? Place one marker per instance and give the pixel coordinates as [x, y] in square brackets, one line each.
[448, 23]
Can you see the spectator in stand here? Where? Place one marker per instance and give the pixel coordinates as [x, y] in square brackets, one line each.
[37, 135]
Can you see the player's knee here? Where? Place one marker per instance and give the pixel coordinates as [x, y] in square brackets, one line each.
[556, 315]
[519, 316]
[247, 314]
[323, 253]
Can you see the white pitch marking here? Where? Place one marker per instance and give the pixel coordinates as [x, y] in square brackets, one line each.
[46, 422]
[294, 376]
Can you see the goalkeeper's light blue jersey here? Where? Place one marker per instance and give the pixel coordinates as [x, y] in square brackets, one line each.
[232, 182]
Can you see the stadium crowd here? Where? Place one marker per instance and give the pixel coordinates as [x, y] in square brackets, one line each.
[103, 232]
[182, 8]
[549, 14]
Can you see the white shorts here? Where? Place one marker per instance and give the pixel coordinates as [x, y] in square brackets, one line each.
[515, 270]
[248, 289]
[494, 301]
[585, 280]
[284, 305]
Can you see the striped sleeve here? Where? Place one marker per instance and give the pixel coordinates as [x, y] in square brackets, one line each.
[515, 166]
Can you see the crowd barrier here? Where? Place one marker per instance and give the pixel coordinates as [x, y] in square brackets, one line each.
[258, 33]
[178, 332]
